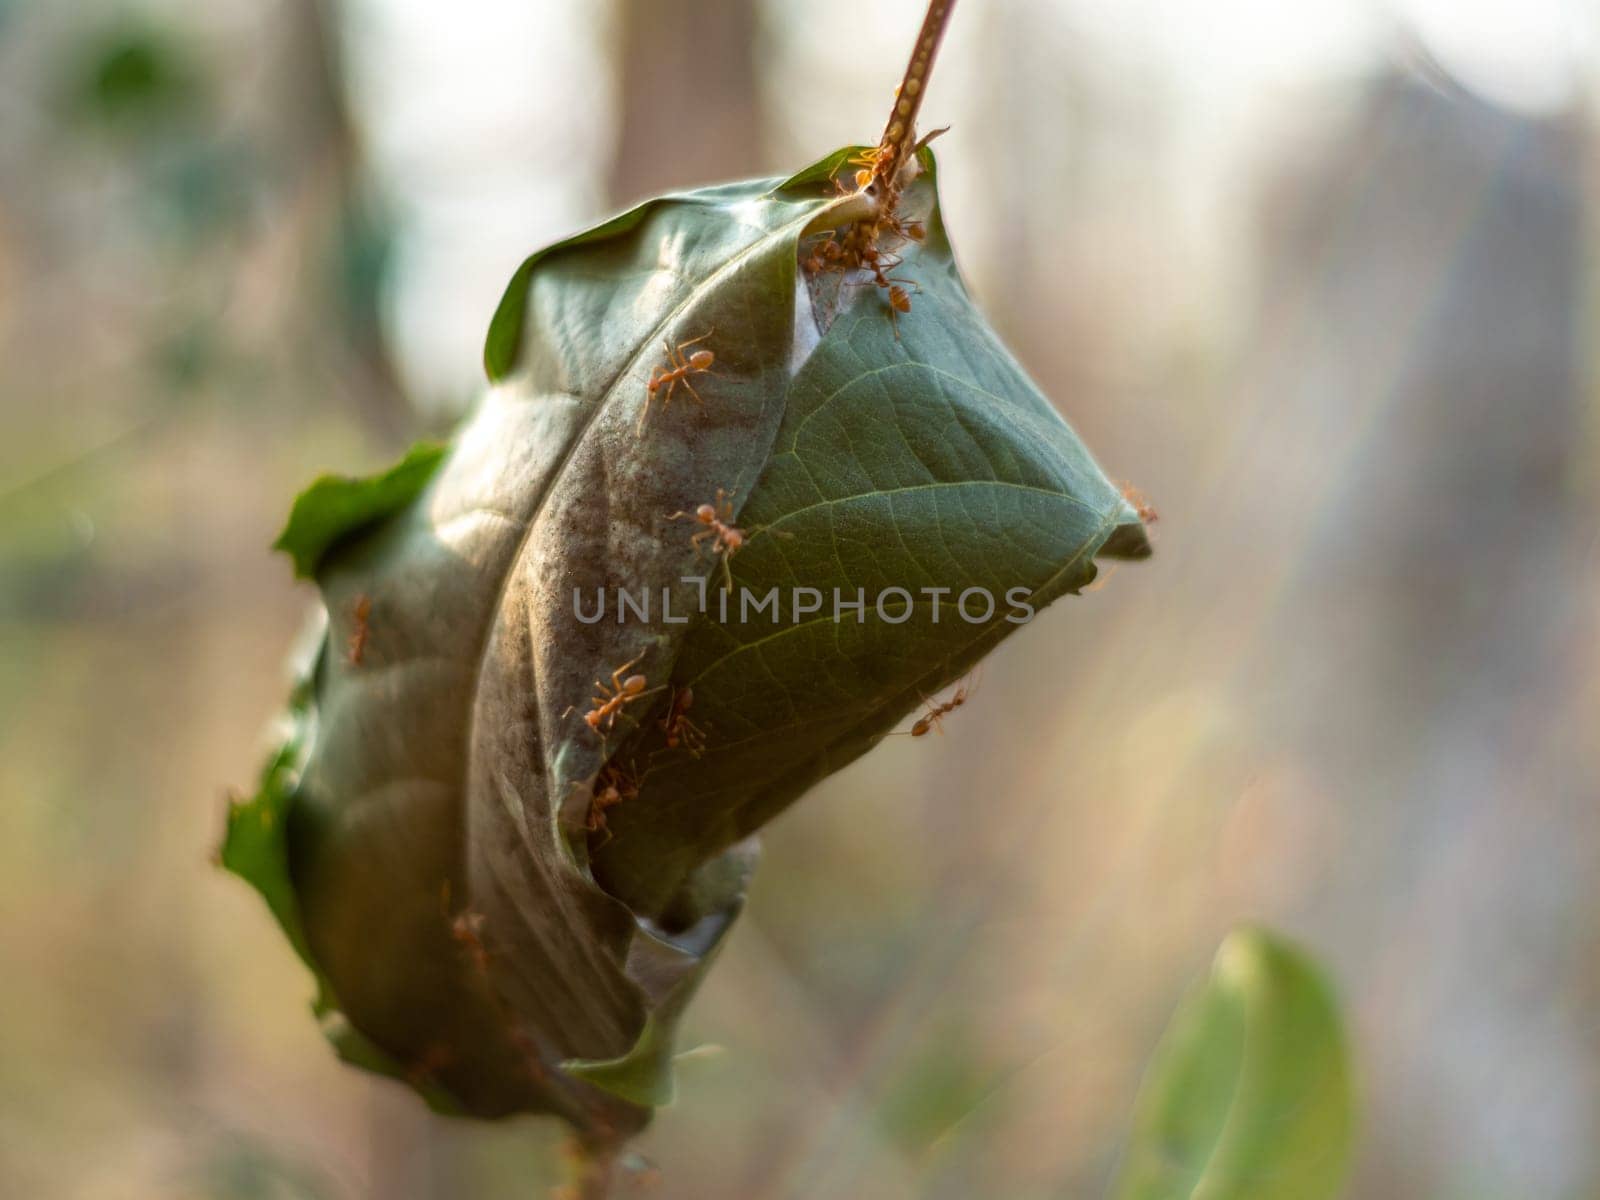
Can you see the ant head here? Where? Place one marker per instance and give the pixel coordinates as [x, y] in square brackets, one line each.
[863, 177]
[705, 514]
[593, 718]
[608, 796]
[700, 360]
[685, 698]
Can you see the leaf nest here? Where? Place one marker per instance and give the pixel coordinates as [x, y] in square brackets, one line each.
[429, 835]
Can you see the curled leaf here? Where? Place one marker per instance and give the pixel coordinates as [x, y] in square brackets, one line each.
[481, 912]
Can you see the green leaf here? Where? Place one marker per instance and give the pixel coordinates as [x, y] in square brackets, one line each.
[1249, 1095]
[643, 1076]
[449, 887]
[911, 456]
[255, 847]
[255, 844]
[341, 506]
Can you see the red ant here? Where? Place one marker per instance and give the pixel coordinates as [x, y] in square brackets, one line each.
[1141, 504]
[881, 167]
[726, 539]
[825, 254]
[608, 701]
[870, 162]
[932, 718]
[358, 635]
[680, 730]
[467, 930]
[611, 789]
[879, 161]
[880, 263]
[912, 231]
[899, 300]
[677, 370]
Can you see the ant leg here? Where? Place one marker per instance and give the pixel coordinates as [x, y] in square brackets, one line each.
[699, 399]
[616, 676]
[756, 531]
[692, 341]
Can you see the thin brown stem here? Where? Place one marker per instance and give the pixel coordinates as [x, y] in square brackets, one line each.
[900, 131]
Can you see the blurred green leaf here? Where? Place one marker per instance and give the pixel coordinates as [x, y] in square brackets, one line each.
[454, 893]
[1249, 1095]
[131, 76]
[943, 1085]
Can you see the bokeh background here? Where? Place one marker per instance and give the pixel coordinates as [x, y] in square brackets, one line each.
[1320, 278]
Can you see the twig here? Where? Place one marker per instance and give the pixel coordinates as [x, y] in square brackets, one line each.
[900, 131]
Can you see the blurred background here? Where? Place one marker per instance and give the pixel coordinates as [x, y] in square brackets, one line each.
[1320, 278]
